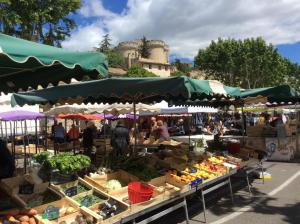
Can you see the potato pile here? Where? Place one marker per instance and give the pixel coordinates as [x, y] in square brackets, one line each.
[19, 216]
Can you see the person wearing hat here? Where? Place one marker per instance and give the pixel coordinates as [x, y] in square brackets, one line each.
[120, 138]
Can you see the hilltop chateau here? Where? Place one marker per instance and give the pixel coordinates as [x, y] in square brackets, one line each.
[158, 61]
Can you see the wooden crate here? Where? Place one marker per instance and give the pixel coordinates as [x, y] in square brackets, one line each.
[62, 204]
[101, 181]
[93, 191]
[121, 207]
[255, 131]
[167, 185]
[11, 185]
[23, 200]
[71, 217]
[60, 187]
[102, 142]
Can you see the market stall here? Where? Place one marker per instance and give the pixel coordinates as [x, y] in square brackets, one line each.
[273, 132]
[179, 172]
[20, 117]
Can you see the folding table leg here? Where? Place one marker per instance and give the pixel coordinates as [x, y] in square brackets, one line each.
[249, 188]
[262, 173]
[230, 187]
[186, 211]
[203, 204]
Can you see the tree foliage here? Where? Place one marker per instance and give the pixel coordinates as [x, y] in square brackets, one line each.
[248, 63]
[182, 67]
[114, 57]
[138, 71]
[105, 44]
[177, 73]
[38, 20]
[144, 49]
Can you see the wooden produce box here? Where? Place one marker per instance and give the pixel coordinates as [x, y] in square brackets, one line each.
[73, 188]
[255, 131]
[11, 185]
[80, 201]
[167, 185]
[64, 206]
[102, 142]
[122, 210]
[42, 194]
[69, 219]
[101, 180]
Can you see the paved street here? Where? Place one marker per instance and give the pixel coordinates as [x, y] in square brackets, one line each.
[275, 202]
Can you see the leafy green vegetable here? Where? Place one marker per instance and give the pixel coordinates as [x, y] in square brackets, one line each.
[138, 167]
[41, 157]
[94, 198]
[67, 163]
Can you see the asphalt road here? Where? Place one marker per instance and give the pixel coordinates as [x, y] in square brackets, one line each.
[275, 202]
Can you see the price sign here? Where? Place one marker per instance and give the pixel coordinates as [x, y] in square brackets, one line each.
[51, 213]
[195, 183]
[71, 191]
[86, 201]
[26, 188]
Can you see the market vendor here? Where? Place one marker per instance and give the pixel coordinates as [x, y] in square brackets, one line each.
[162, 131]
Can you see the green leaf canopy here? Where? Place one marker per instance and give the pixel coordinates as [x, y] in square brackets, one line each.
[112, 90]
[26, 64]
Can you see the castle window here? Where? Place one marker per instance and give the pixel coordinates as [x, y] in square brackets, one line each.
[159, 67]
[150, 66]
[166, 68]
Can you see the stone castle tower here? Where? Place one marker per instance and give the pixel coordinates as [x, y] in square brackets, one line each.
[158, 61]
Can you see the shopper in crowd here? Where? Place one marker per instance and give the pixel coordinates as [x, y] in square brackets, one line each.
[73, 133]
[105, 129]
[53, 128]
[7, 163]
[153, 124]
[59, 133]
[120, 139]
[88, 136]
[162, 131]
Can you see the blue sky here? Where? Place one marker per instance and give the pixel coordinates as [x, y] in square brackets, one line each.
[185, 27]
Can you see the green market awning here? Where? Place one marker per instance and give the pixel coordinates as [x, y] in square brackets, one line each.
[278, 94]
[115, 90]
[26, 64]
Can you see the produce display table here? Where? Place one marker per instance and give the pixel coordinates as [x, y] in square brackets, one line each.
[205, 188]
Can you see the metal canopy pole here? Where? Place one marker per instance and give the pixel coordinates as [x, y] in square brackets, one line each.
[11, 139]
[14, 136]
[46, 133]
[189, 125]
[25, 153]
[134, 125]
[5, 131]
[1, 129]
[36, 137]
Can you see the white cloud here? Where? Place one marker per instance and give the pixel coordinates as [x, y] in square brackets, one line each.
[95, 8]
[86, 37]
[190, 24]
